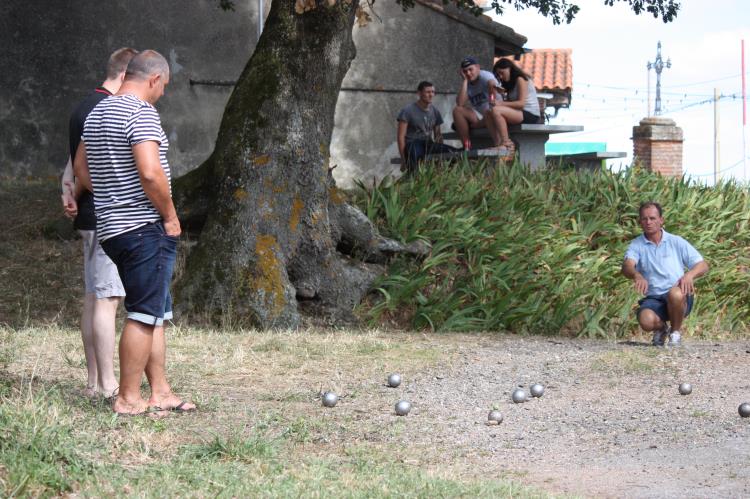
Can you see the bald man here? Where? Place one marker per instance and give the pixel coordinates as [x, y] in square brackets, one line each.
[124, 160]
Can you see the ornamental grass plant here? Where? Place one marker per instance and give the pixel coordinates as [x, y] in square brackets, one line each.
[540, 252]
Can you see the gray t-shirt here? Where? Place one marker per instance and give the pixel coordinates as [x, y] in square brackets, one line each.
[420, 123]
[478, 91]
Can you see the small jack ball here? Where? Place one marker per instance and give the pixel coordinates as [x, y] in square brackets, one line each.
[685, 389]
[394, 380]
[495, 416]
[330, 399]
[744, 410]
[518, 396]
[402, 407]
[536, 390]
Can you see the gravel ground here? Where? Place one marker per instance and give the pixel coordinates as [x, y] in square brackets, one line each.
[611, 422]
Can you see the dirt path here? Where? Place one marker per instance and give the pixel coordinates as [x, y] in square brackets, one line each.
[610, 424]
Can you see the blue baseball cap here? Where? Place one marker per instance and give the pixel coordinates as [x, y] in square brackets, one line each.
[468, 61]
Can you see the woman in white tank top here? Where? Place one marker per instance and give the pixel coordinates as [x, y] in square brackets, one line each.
[519, 104]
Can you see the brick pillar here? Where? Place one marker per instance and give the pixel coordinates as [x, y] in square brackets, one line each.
[657, 146]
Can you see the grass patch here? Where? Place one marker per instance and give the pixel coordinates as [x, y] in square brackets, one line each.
[260, 430]
[40, 256]
[541, 252]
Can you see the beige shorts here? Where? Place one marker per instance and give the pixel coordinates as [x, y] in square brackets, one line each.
[99, 273]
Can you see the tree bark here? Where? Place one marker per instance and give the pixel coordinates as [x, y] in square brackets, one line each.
[261, 201]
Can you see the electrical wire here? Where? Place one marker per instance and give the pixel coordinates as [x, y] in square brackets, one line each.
[735, 165]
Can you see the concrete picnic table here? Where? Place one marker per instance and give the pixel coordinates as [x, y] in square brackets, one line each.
[530, 140]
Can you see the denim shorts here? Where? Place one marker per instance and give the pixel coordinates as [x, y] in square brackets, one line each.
[658, 303]
[145, 260]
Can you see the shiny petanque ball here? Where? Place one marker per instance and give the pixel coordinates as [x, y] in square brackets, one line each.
[518, 396]
[402, 407]
[495, 417]
[685, 388]
[394, 380]
[330, 399]
[536, 390]
[744, 410]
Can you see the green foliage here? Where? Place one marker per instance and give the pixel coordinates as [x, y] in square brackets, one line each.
[541, 252]
[39, 450]
[563, 10]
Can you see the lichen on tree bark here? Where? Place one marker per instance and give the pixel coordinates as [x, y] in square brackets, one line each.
[260, 203]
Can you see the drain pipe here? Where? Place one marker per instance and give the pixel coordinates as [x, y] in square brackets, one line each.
[260, 18]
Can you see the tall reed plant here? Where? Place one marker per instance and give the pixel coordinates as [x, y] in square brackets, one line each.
[540, 252]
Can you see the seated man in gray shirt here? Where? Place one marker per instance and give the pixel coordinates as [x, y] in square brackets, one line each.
[419, 129]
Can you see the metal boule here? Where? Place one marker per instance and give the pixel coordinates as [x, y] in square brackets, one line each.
[330, 399]
[394, 380]
[744, 410]
[495, 417]
[402, 407]
[685, 388]
[518, 396]
[536, 390]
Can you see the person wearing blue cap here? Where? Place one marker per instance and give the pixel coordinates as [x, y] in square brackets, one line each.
[474, 102]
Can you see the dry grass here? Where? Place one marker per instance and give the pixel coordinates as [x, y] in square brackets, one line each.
[40, 262]
[260, 416]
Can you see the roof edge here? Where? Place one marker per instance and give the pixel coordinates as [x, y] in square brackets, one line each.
[507, 41]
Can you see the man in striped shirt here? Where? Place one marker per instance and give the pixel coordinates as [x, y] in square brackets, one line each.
[124, 160]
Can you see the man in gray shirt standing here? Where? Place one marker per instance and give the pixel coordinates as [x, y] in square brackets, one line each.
[419, 129]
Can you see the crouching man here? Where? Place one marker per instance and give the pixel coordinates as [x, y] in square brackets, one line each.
[656, 262]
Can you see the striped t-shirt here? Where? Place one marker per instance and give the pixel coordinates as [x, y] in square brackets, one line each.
[115, 125]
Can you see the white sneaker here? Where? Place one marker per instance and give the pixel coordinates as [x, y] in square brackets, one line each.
[660, 336]
[675, 339]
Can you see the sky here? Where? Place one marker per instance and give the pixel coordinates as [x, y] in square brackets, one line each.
[611, 49]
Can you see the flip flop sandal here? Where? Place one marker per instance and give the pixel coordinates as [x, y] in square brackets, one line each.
[178, 408]
[152, 412]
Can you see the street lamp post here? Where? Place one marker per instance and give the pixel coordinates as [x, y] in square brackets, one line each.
[658, 65]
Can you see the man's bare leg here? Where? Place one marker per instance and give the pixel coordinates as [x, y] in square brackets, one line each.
[87, 335]
[649, 321]
[105, 312]
[464, 119]
[135, 351]
[161, 392]
[676, 305]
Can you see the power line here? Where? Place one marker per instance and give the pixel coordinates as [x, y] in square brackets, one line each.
[735, 165]
[643, 89]
[738, 75]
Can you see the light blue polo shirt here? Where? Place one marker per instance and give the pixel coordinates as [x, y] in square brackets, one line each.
[664, 264]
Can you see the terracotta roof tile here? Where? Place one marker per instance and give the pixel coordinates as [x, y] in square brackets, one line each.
[552, 69]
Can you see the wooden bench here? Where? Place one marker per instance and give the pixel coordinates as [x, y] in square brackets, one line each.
[472, 154]
[529, 138]
[584, 160]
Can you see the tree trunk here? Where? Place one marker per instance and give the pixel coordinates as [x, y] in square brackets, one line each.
[261, 201]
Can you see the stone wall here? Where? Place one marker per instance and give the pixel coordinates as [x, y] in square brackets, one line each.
[56, 51]
[393, 56]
